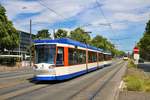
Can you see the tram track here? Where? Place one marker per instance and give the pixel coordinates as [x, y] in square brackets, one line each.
[105, 83]
[10, 74]
[15, 87]
[57, 91]
[17, 92]
[36, 89]
[13, 78]
[85, 90]
[7, 82]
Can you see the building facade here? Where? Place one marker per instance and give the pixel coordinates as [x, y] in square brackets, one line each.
[24, 45]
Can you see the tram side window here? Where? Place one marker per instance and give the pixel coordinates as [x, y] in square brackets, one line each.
[81, 56]
[106, 57]
[71, 56]
[89, 56]
[76, 56]
[60, 56]
[92, 56]
[101, 57]
[109, 57]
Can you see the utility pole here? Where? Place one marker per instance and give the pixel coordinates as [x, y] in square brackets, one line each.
[30, 42]
[19, 46]
[53, 34]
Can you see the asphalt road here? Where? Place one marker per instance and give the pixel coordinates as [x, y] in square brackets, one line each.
[145, 67]
[100, 85]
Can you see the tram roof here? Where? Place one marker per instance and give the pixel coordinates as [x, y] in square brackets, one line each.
[67, 41]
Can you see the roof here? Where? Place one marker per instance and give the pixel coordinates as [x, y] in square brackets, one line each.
[68, 41]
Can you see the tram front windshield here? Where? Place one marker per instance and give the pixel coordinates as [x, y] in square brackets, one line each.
[45, 54]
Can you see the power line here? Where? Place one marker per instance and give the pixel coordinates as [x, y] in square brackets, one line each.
[42, 3]
[104, 15]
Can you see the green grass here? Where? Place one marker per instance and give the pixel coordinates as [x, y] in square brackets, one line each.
[147, 85]
[133, 83]
[131, 64]
[135, 79]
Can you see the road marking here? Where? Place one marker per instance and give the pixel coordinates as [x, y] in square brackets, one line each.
[121, 83]
[22, 91]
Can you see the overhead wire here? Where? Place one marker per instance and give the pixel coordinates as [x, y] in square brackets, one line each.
[42, 3]
[101, 10]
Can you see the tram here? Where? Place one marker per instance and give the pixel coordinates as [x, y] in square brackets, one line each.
[63, 58]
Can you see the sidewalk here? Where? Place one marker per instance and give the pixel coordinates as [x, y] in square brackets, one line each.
[20, 66]
[132, 95]
[13, 68]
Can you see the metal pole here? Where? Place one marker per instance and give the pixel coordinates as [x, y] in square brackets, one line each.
[53, 34]
[30, 41]
[19, 48]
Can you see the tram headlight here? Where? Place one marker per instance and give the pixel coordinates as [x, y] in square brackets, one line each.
[35, 66]
[51, 66]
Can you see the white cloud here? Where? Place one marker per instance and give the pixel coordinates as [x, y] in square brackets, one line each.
[119, 26]
[125, 5]
[131, 17]
[65, 8]
[122, 14]
[15, 7]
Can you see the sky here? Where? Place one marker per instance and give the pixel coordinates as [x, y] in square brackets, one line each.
[121, 21]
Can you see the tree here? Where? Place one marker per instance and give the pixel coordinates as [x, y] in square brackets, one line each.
[144, 43]
[42, 34]
[147, 29]
[9, 36]
[101, 42]
[60, 33]
[80, 35]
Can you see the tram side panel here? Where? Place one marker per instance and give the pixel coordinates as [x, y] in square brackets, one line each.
[108, 60]
[74, 64]
[77, 61]
[92, 61]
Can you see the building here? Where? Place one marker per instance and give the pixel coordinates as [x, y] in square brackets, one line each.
[24, 41]
[24, 44]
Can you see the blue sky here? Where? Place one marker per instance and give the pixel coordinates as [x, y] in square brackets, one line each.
[127, 17]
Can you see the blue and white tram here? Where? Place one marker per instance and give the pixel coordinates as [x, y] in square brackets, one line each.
[64, 58]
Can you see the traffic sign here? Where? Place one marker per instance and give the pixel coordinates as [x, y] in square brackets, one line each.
[136, 56]
[136, 50]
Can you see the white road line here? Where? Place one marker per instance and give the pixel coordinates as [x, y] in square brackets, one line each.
[120, 86]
